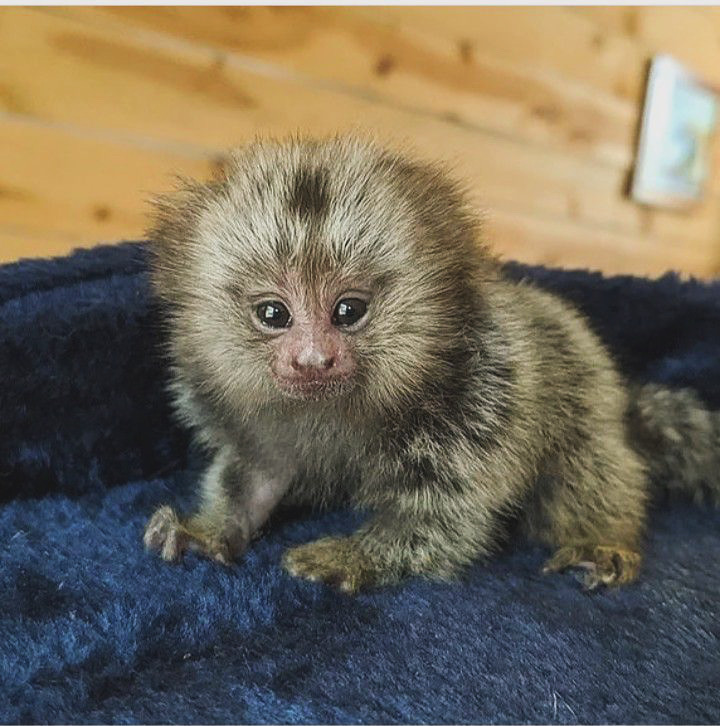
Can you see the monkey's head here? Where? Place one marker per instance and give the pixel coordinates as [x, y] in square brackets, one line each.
[318, 271]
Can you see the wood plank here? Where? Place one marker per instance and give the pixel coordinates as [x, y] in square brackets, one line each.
[46, 214]
[712, 13]
[688, 33]
[64, 188]
[159, 108]
[554, 40]
[17, 243]
[186, 97]
[556, 243]
[401, 65]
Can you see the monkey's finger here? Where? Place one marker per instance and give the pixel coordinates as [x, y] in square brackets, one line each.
[164, 535]
[562, 559]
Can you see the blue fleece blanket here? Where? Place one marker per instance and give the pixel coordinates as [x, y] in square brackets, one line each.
[93, 629]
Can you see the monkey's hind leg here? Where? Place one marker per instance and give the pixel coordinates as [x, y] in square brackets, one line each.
[592, 512]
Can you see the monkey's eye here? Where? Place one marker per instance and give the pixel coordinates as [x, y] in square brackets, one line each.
[348, 311]
[273, 314]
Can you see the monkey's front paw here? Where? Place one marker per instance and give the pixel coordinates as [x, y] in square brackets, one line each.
[604, 565]
[170, 538]
[335, 560]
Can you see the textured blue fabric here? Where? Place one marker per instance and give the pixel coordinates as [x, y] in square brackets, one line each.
[94, 629]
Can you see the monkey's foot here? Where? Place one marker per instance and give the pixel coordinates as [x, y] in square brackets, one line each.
[170, 538]
[604, 565]
[336, 561]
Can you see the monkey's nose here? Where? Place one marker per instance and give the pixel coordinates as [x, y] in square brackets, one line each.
[312, 359]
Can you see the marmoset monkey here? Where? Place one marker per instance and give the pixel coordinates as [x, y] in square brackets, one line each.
[339, 333]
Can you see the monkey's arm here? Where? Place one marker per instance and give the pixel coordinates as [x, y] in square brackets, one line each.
[237, 498]
[428, 532]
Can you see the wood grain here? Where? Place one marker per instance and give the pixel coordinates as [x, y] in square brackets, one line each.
[535, 107]
[406, 66]
[43, 197]
[688, 33]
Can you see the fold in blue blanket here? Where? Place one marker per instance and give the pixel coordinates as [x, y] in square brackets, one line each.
[93, 629]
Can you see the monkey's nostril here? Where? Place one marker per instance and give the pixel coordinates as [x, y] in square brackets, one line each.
[310, 362]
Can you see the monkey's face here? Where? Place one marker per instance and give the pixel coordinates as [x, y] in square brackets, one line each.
[318, 271]
[310, 337]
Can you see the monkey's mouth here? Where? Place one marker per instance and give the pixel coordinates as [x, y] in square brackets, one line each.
[313, 389]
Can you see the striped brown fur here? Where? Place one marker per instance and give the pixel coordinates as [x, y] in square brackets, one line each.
[472, 397]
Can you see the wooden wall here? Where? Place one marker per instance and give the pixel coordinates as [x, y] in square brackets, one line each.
[536, 107]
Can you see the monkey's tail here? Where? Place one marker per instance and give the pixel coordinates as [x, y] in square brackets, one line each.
[679, 438]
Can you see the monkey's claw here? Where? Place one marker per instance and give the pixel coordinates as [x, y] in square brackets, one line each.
[336, 561]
